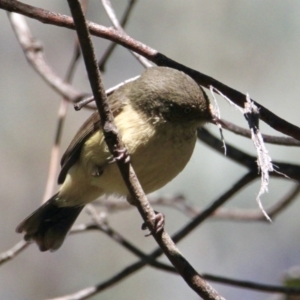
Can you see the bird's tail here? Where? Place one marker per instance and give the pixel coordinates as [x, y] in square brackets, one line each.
[49, 224]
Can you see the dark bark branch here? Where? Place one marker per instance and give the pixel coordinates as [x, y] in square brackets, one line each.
[254, 285]
[116, 146]
[148, 260]
[237, 97]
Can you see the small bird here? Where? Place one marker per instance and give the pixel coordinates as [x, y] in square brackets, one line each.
[157, 116]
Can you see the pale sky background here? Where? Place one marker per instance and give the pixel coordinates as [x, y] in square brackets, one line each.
[252, 46]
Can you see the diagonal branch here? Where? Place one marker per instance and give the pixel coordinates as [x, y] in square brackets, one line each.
[276, 140]
[149, 260]
[116, 146]
[151, 54]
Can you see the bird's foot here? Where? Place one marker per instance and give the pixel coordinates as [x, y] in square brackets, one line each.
[120, 154]
[97, 171]
[159, 222]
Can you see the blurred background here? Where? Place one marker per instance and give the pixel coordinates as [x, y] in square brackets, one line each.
[252, 46]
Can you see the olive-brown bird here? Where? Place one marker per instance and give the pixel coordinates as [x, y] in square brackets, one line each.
[157, 116]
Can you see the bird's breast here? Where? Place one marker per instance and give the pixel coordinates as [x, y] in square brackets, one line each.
[158, 152]
[161, 160]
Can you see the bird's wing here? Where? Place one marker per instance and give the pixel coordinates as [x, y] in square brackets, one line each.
[117, 101]
[90, 126]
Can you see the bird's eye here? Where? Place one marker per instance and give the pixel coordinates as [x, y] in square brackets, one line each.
[187, 110]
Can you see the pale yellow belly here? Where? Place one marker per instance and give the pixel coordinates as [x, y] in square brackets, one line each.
[161, 161]
[156, 159]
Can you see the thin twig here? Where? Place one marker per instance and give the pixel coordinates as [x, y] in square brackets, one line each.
[254, 285]
[236, 214]
[102, 62]
[85, 101]
[276, 140]
[186, 229]
[113, 17]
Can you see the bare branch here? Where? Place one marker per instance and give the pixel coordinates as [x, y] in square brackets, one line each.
[116, 146]
[114, 204]
[238, 98]
[283, 203]
[55, 151]
[276, 140]
[85, 101]
[246, 160]
[112, 46]
[246, 215]
[254, 285]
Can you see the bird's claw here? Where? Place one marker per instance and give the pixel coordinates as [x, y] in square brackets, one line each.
[97, 171]
[159, 222]
[120, 154]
